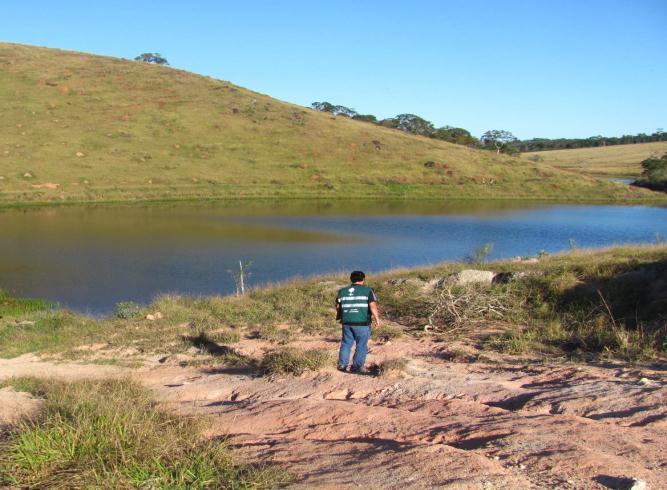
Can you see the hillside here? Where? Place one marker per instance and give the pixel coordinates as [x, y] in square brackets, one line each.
[78, 127]
[620, 161]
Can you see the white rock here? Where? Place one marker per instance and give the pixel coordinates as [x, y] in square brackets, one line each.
[470, 276]
[27, 175]
[638, 484]
[150, 317]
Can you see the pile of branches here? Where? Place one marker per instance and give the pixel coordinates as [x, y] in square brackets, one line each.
[452, 307]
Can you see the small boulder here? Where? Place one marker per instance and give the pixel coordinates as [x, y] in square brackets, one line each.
[27, 175]
[467, 276]
[80, 154]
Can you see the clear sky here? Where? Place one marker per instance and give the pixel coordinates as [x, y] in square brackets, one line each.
[540, 68]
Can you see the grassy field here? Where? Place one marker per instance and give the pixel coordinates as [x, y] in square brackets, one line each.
[610, 302]
[618, 161]
[83, 128]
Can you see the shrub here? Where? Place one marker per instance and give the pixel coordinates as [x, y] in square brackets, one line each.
[127, 310]
[654, 175]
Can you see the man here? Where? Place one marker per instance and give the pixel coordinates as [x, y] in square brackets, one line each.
[354, 306]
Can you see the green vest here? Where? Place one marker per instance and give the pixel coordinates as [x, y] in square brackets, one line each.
[354, 301]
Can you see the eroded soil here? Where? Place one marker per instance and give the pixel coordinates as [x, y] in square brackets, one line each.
[447, 421]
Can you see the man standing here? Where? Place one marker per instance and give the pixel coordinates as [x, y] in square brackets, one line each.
[354, 306]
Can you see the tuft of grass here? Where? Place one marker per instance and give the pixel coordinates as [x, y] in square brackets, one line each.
[387, 332]
[288, 360]
[392, 367]
[109, 434]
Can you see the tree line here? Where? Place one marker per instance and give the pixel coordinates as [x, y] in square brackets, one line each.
[498, 140]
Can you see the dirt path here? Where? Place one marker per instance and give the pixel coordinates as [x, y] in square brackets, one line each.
[492, 424]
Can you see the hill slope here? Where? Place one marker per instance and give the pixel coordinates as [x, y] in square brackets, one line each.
[77, 127]
[622, 161]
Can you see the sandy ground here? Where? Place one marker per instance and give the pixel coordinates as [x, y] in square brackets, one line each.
[494, 423]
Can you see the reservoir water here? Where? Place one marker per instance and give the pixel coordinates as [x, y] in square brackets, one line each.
[89, 258]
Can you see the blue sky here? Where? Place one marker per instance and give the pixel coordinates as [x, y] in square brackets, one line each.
[557, 68]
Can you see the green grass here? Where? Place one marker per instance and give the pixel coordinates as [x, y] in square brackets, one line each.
[616, 161]
[20, 306]
[83, 128]
[109, 434]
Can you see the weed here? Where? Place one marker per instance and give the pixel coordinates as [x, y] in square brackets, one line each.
[480, 254]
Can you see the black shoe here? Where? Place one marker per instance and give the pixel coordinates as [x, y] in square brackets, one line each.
[361, 370]
[342, 369]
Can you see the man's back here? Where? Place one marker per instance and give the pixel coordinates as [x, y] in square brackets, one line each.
[354, 301]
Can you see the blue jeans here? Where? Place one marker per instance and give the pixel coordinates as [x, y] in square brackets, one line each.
[360, 335]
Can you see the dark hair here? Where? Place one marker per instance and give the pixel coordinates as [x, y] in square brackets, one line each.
[357, 276]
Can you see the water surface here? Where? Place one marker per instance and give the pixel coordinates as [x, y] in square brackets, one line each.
[89, 258]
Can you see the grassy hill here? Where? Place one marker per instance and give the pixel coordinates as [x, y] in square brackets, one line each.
[620, 161]
[78, 127]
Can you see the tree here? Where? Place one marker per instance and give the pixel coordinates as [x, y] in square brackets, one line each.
[336, 110]
[155, 58]
[459, 136]
[366, 118]
[410, 123]
[322, 106]
[499, 138]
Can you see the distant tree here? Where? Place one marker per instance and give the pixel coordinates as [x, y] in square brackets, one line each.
[459, 136]
[341, 110]
[322, 106]
[409, 123]
[155, 58]
[498, 138]
[366, 118]
[336, 110]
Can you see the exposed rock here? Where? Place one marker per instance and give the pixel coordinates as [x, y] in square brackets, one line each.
[27, 175]
[80, 154]
[468, 276]
[638, 484]
[154, 316]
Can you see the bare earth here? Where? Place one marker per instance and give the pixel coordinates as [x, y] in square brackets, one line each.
[457, 421]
